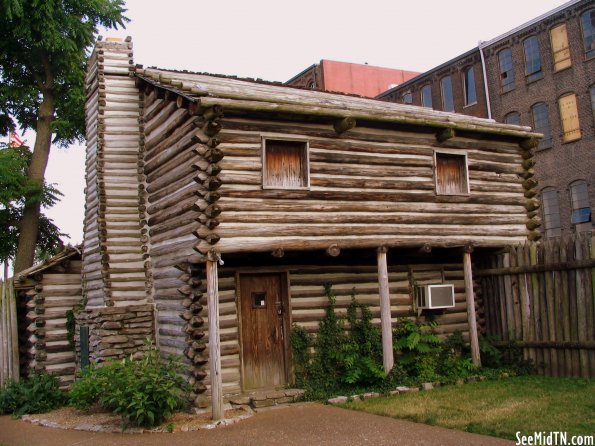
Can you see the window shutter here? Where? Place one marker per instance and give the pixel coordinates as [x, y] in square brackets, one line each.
[561, 52]
[569, 114]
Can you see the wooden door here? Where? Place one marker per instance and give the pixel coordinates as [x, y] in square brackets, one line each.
[263, 299]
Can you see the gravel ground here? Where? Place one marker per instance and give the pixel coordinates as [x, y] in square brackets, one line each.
[297, 424]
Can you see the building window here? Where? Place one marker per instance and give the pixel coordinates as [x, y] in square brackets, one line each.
[513, 118]
[451, 174]
[506, 70]
[532, 59]
[447, 98]
[469, 84]
[285, 164]
[541, 124]
[571, 130]
[588, 25]
[551, 213]
[408, 98]
[426, 96]
[581, 208]
[592, 90]
[560, 48]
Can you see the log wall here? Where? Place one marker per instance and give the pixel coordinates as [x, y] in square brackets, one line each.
[44, 345]
[308, 302]
[368, 187]
[116, 266]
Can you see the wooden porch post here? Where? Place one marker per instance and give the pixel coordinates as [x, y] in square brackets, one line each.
[214, 339]
[385, 316]
[471, 306]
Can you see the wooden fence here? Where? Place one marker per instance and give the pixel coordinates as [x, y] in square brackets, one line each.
[541, 295]
[9, 339]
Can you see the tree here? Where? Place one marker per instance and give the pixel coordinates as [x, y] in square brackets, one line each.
[42, 67]
[14, 187]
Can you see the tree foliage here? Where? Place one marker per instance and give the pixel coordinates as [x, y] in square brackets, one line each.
[42, 69]
[44, 51]
[14, 187]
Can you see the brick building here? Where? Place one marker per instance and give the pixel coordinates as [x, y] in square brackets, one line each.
[540, 74]
[343, 77]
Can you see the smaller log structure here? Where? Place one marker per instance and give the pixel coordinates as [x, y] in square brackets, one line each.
[225, 204]
[46, 293]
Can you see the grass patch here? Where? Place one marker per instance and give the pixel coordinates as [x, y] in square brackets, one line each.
[523, 404]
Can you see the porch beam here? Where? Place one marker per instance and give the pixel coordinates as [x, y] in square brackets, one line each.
[385, 316]
[214, 338]
[469, 297]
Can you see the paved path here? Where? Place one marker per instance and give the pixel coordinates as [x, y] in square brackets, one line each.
[299, 424]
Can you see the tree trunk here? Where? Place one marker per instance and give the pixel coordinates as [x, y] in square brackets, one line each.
[29, 225]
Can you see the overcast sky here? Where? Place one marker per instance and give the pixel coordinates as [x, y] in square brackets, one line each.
[274, 40]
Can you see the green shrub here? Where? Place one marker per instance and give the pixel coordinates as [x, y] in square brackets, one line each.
[454, 361]
[144, 392]
[37, 394]
[343, 358]
[417, 348]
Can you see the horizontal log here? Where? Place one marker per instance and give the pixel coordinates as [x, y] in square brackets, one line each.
[580, 345]
[566, 266]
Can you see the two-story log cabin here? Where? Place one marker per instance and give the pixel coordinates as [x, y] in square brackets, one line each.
[222, 206]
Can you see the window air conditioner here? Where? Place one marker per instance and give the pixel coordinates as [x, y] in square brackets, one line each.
[435, 296]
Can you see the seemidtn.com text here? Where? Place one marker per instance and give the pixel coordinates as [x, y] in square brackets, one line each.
[554, 439]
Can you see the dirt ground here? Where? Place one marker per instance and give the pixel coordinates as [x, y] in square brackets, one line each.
[297, 424]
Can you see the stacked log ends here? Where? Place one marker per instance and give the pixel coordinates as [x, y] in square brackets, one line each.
[194, 315]
[208, 180]
[530, 188]
[115, 271]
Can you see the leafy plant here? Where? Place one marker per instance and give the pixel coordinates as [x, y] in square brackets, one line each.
[37, 394]
[144, 392]
[418, 348]
[347, 354]
[362, 353]
[454, 361]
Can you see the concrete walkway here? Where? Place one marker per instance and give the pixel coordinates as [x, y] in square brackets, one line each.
[299, 424]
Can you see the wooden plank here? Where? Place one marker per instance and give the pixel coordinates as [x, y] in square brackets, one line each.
[475, 355]
[387, 338]
[214, 340]
[551, 312]
[565, 297]
[581, 307]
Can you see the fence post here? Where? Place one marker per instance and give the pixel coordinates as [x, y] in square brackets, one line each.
[475, 355]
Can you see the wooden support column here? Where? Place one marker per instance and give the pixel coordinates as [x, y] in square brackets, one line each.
[385, 316]
[469, 297]
[214, 339]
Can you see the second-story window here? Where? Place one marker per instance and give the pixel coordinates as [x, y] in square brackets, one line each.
[408, 98]
[571, 129]
[426, 96]
[285, 164]
[469, 84]
[452, 176]
[541, 124]
[506, 70]
[560, 49]
[532, 59]
[513, 118]
[447, 98]
[588, 26]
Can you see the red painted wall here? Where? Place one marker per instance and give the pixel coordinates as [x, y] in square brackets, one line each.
[364, 80]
